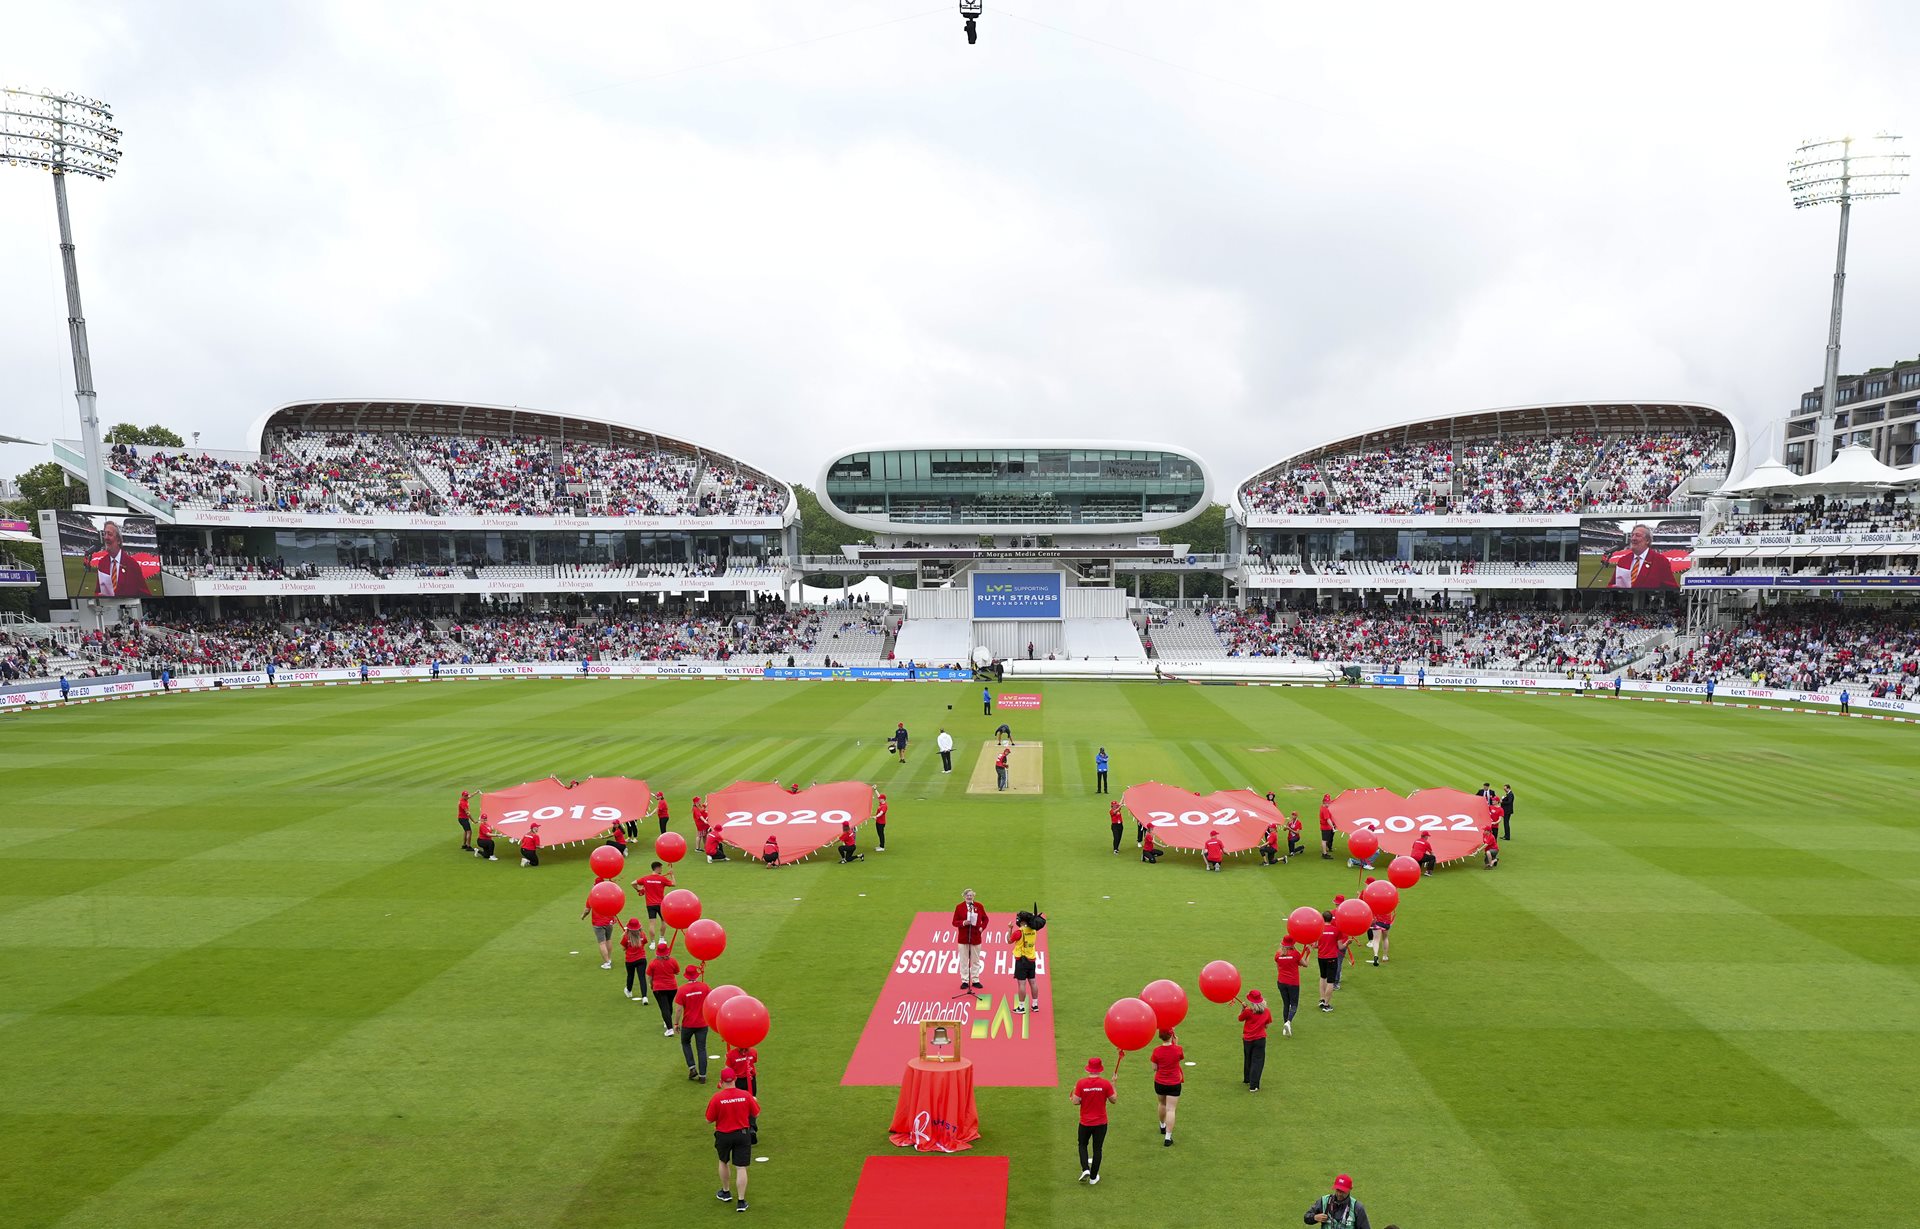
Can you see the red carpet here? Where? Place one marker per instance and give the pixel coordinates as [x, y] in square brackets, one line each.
[931, 1192]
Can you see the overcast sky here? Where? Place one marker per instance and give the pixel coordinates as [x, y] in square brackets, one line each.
[780, 229]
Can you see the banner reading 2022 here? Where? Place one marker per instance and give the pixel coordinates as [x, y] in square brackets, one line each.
[1016, 595]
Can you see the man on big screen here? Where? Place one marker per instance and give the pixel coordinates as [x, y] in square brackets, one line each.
[116, 573]
[1640, 566]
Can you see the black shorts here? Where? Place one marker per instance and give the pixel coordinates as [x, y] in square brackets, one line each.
[733, 1147]
[653, 911]
[467, 825]
[1165, 1090]
[1023, 968]
[1329, 968]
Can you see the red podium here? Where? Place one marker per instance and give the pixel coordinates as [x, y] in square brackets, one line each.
[935, 1112]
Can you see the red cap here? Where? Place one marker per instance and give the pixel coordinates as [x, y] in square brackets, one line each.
[1343, 1184]
[1095, 1066]
[726, 1075]
[660, 946]
[1254, 996]
[693, 972]
[633, 923]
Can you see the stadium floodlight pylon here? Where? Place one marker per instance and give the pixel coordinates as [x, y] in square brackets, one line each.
[66, 134]
[1840, 172]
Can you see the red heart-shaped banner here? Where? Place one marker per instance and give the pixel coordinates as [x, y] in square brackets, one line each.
[565, 815]
[1182, 819]
[1450, 819]
[748, 812]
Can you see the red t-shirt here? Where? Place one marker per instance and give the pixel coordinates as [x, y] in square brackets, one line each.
[1271, 837]
[1329, 943]
[846, 836]
[713, 841]
[771, 848]
[634, 944]
[692, 1002]
[1146, 840]
[1286, 965]
[664, 972]
[1215, 850]
[1254, 1023]
[661, 811]
[1421, 847]
[530, 841]
[1166, 1063]
[1001, 762]
[619, 838]
[486, 830]
[1383, 919]
[653, 887]
[602, 919]
[1293, 827]
[742, 1061]
[1094, 1093]
[731, 1109]
[880, 816]
[1490, 839]
[463, 809]
[1113, 813]
[1326, 817]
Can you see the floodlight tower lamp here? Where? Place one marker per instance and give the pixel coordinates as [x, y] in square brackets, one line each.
[66, 134]
[1840, 172]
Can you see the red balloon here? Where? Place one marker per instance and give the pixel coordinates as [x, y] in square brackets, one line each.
[716, 999]
[1131, 1023]
[1403, 872]
[1305, 925]
[606, 897]
[706, 940]
[1219, 982]
[743, 1021]
[606, 861]
[1352, 918]
[680, 908]
[1168, 1000]
[1362, 844]
[1381, 897]
[670, 847]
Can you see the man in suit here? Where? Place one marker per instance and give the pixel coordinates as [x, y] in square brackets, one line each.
[116, 573]
[1640, 566]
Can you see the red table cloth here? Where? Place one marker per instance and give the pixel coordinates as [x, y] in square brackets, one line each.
[936, 1112]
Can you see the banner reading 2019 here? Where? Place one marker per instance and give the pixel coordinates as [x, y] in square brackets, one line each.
[1016, 595]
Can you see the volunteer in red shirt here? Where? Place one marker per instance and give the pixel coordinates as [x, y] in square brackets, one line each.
[466, 823]
[849, 846]
[1115, 822]
[1270, 844]
[660, 812]
[1093, 1094]
[770, 852]
[484, 841]
[1490, 845]
[1254, 1019]
[1149, 848]
[1378, 934]
[530, 846]
[617, 838]
[1286, 968]
[1329, 955]
[745, 1061]
[716, 848]
[1216, 851]
[880, 823]
[664, 972]
[699, 822]
[692, 1003]
[603, 924]
[969, 928]
[735, 1116]
[633, 945]
[653, 890]
[1167, 1078]
[1293, 834]
[1423, 853]
[1326, 825]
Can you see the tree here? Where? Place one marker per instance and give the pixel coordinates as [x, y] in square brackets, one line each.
[820, 534]
[43, 486]
[1205, 534]
[155, 436]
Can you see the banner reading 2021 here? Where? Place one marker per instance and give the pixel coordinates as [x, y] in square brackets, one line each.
[1016, 595]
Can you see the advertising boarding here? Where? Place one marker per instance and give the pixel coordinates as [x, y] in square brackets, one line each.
[1016, 595]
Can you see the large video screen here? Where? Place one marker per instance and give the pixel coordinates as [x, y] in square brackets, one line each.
[108, 556]
[1636, 552]
[1016, 595]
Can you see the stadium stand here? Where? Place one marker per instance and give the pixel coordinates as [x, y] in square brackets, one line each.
[934, 640]
[1807, 647]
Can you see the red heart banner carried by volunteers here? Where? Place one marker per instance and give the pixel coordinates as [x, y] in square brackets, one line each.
[1181, 819]
[748, 812]
[1451, 819]
[567, 814]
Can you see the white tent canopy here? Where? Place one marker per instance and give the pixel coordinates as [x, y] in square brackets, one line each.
[873, 589]
[1855, 469]
[1767, 477]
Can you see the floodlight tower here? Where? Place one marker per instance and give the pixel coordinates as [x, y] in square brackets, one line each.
[1841, 172]
[66, 133]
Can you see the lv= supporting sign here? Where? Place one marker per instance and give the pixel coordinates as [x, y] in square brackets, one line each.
[1008, 1050]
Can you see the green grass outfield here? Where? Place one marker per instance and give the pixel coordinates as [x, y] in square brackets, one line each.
[246, 977]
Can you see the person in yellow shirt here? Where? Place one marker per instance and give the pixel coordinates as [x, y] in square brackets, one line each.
[1026, 993]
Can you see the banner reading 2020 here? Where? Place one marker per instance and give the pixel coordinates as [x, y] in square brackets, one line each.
[1016, 595]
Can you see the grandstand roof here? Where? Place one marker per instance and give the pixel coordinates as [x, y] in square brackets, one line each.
[466, 418]
[1525, 420]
